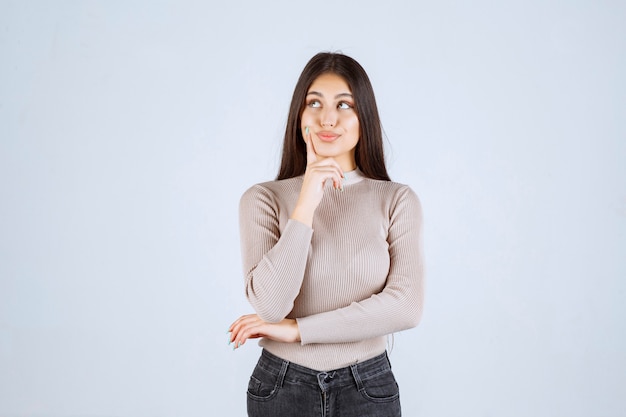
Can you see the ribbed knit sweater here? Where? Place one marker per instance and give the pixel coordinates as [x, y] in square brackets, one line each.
[352, 279]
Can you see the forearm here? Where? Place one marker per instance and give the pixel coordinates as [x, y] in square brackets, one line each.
[274, 282]
[394, 309]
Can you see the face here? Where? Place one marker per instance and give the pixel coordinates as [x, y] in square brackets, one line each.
[333, 123]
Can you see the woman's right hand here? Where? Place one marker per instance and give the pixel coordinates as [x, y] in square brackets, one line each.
[318, 171]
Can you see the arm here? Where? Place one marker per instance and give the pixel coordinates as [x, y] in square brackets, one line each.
[399, 305]
[273, 263]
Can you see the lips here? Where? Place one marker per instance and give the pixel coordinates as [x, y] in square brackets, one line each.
[327, 136]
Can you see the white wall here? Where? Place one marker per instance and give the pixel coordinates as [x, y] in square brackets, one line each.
[128, 131]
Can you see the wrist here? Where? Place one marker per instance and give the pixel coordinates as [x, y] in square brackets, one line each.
[303, 215]
[296, 331]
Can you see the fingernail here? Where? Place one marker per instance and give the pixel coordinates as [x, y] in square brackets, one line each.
[306, 130]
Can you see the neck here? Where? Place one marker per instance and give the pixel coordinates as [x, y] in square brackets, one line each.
[347, 164]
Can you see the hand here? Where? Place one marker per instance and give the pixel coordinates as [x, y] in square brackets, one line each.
[252, 327]
[318, 171]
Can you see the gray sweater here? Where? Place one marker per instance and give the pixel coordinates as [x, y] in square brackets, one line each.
[354, 278]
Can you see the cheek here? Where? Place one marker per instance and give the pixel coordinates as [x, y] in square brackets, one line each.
[352, 123]
[306, 118]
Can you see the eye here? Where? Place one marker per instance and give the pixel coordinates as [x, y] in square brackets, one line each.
[314, 104]
[344, 106]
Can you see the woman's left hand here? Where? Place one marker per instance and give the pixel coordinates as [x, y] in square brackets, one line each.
[251, 326]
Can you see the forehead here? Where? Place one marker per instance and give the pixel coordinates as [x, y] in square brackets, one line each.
[330, 83]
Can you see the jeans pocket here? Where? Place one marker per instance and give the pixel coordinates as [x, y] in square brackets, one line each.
[381, 388]
[263, 385]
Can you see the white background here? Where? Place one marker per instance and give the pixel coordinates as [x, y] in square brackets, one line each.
[129, 130]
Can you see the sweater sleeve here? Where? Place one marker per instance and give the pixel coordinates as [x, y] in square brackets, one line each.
[399, 305]
[273, 262]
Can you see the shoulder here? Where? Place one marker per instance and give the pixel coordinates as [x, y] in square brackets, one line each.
[271, 191]
[399, 199]
[394, 190]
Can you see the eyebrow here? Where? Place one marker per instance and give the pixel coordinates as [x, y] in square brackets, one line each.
[317, 93]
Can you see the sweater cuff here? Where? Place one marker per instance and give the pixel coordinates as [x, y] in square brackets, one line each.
[298, 225]
[303, 330]
[307, 328]
[298, 229]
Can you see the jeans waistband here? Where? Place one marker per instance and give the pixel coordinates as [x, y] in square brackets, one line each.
[343, 376]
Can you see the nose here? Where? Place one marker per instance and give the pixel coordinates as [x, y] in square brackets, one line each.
[328, 118]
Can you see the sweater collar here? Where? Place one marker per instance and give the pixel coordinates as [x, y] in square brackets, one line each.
[352, 177]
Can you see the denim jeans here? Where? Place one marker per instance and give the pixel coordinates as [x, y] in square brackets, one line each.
[278, 388]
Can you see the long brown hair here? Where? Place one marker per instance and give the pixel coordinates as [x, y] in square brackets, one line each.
[369, 152]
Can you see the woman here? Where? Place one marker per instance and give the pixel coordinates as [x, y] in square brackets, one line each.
[332, 256]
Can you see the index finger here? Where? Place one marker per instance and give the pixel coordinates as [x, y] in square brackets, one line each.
[311, 156]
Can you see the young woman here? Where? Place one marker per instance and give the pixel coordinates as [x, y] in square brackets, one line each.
[332, 256]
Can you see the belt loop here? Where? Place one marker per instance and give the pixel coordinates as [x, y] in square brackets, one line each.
[283, 371]
[357, 378]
